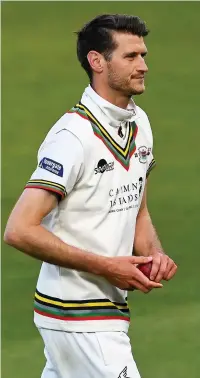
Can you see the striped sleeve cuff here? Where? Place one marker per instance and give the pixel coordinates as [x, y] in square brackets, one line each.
[151, 166]
[47, 185]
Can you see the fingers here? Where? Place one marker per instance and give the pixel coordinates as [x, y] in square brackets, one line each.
[141, 282]
[124, 274]
[162, 268]
[155, 285]
[155, 267]
[140, 278]
[134, 284]
[171, 273]
[140, 259]
[170, 269]
[144, 280]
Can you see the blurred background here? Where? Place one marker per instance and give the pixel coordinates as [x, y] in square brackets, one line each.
[41, 79]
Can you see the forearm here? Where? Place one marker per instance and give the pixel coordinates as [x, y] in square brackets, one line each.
[146, 240]
[41, 244]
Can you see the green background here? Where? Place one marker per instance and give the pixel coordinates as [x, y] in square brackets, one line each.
[41, 79]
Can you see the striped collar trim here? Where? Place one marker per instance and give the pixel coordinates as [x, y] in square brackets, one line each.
[121, 154]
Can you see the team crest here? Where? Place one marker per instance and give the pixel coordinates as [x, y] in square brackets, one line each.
[142, 154]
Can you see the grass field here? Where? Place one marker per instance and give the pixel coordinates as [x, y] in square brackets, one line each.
[41, 79]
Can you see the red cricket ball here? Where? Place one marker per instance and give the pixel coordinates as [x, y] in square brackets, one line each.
[145, 268]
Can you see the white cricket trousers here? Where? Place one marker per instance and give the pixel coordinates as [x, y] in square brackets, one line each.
[88, 355]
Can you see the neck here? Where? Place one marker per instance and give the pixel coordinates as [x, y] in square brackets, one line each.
[111, 95]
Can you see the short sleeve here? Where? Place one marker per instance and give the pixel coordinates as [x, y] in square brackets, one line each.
[60, 164]
[151, 163]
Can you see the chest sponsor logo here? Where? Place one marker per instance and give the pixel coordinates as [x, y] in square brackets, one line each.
[103, 166]
[124, 373]
[142, 154]
[51, 166]
[126, 197]
[140, 185]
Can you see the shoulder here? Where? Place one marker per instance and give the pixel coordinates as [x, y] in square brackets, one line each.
[143, 118]
[142, 115]
[72, 132]
[74, 123]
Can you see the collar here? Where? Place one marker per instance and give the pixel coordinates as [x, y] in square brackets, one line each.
[112, 114]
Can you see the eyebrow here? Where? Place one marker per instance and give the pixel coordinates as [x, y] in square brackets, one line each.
[133, 54]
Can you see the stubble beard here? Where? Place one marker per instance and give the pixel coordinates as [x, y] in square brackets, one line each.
[122, 85]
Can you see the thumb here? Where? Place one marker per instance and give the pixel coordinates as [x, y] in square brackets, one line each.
[140, 259]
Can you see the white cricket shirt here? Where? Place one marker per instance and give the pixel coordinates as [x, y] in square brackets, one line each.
[96, 158]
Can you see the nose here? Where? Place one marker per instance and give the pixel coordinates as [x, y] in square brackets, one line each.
[142, 67]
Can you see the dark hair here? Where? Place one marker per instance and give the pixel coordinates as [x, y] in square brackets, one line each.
[97, 35]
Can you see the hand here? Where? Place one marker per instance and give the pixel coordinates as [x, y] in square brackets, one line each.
[163, 267]
[123, 273]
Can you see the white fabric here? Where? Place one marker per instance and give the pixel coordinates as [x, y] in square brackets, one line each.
[111, 115]
[64, 148]
[98, 214]
[88, 355]
[114, 115]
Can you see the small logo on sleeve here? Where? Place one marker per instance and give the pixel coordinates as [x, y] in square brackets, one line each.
[51, 166]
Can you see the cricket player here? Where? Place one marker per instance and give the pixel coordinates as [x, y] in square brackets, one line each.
[84, 211]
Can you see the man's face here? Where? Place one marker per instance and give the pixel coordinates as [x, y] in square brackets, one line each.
[126, 68]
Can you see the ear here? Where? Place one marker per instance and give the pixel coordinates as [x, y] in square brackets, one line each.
[96, 61]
